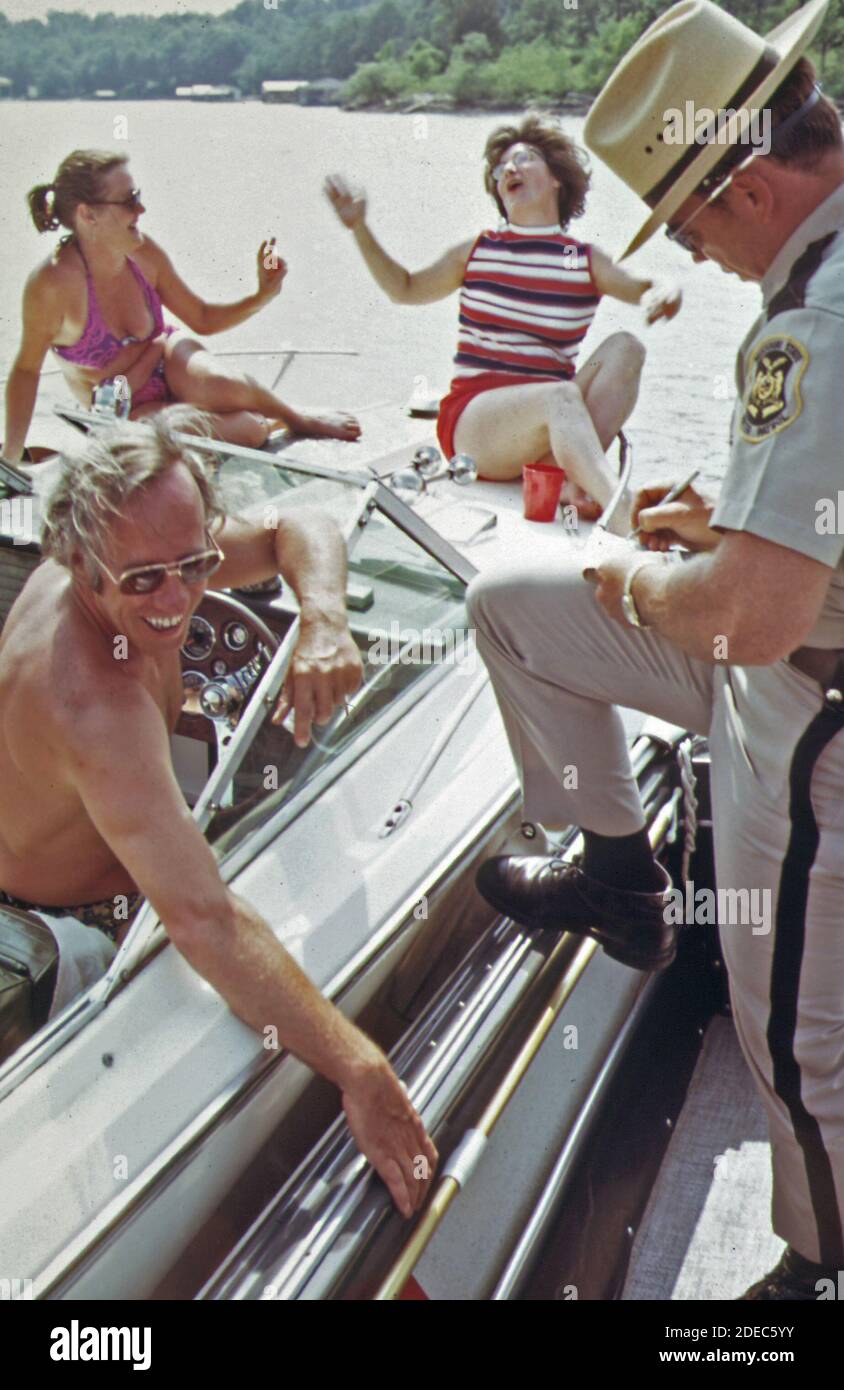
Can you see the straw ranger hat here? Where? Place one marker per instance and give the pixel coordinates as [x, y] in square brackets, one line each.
[695, 57]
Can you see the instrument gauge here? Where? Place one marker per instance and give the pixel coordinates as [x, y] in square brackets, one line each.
[200, 640]
[236, 636]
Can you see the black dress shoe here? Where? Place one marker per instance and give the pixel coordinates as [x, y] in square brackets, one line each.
[545, 891]
[794, 1280]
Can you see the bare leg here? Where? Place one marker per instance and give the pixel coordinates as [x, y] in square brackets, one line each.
[195, 376]
[609, 384]
[238, 427]
[568, 423]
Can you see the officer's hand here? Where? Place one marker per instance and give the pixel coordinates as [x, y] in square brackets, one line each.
[685, 521]
[609, 578]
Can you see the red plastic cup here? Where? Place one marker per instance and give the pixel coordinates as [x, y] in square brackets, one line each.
[542, 484]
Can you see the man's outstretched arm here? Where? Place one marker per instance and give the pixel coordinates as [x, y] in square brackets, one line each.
[307, 549]
[131, 795]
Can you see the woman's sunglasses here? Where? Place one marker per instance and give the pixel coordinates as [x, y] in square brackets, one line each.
[130, 202]
[145, 579]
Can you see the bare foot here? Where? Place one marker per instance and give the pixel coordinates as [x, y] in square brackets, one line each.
[572, 495]
[326, 424]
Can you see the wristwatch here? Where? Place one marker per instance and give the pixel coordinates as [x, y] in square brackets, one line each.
[628, 603]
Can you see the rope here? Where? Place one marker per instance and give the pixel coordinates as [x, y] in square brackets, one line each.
[688, 782]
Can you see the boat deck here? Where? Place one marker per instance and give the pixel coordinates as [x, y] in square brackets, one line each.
[706, 1232]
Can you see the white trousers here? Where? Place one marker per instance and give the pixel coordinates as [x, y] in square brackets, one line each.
[559, 665]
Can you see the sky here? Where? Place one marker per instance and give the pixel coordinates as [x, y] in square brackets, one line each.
[37, 9]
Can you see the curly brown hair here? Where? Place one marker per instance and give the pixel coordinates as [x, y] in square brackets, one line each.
[566, 160]
[79, 179]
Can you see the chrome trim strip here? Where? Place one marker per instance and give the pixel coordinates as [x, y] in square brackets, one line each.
[326, 1191]
[517, 1266]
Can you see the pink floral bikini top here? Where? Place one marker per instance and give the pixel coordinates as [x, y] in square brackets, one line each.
[98, 346]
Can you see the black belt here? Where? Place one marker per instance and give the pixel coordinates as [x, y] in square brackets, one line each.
[824, 665]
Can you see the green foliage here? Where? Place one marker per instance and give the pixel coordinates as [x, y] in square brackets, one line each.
[425, 61]
[471, 50]
[538, 69]
[375, 82]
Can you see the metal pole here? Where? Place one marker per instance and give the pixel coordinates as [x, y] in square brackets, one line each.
[449, 1185]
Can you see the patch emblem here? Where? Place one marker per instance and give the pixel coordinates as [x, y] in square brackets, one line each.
[773, 401]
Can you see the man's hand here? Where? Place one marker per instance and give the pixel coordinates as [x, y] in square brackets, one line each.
[609, 579]
[389, 1132]
[325, 668]
[349, 204]
[685, 521]
[661, 301]
[271, 270]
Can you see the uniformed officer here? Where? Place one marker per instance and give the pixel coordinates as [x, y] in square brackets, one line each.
[744, 641]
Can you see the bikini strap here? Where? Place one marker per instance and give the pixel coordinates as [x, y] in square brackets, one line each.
[71, 239]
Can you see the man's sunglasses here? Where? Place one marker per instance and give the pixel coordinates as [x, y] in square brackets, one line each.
[145, 579]
[131, 201]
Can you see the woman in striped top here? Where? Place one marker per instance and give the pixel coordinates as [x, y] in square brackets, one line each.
[528, 294]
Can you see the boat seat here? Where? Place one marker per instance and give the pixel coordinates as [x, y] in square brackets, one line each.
[29, 960]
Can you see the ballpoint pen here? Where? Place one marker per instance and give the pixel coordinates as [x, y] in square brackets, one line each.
[671, 496]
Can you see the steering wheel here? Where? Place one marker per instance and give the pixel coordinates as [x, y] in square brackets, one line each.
[227, 649]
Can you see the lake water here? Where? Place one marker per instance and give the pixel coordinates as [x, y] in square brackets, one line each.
[217, 179]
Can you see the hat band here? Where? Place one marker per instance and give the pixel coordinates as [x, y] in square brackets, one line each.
[766, 65]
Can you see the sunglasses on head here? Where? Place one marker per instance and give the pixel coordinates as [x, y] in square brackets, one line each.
[131, 201]
[145, 579]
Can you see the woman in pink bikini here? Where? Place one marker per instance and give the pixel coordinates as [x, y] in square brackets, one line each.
[97, 302]
[528, 293]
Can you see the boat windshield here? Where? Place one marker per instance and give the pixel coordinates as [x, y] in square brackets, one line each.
[407, 616]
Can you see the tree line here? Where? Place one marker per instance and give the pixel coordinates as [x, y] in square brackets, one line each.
[469, 51]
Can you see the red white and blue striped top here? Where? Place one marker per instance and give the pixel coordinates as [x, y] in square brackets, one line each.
[527, 301]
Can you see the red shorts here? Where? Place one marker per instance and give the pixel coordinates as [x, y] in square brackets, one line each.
[462, 391]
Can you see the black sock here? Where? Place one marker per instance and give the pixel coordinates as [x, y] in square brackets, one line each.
[623, 861]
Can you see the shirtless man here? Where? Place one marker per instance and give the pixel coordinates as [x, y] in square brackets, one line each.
[91, 806]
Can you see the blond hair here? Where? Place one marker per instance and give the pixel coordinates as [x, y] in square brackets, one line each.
[116, 464]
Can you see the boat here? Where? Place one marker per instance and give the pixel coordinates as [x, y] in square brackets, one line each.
[154, 1147]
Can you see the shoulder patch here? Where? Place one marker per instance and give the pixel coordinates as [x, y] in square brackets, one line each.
[773, 401]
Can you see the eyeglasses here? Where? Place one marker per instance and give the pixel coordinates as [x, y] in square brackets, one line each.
[524, 156]
[678, 234]
[130, 202]
[145, 579]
